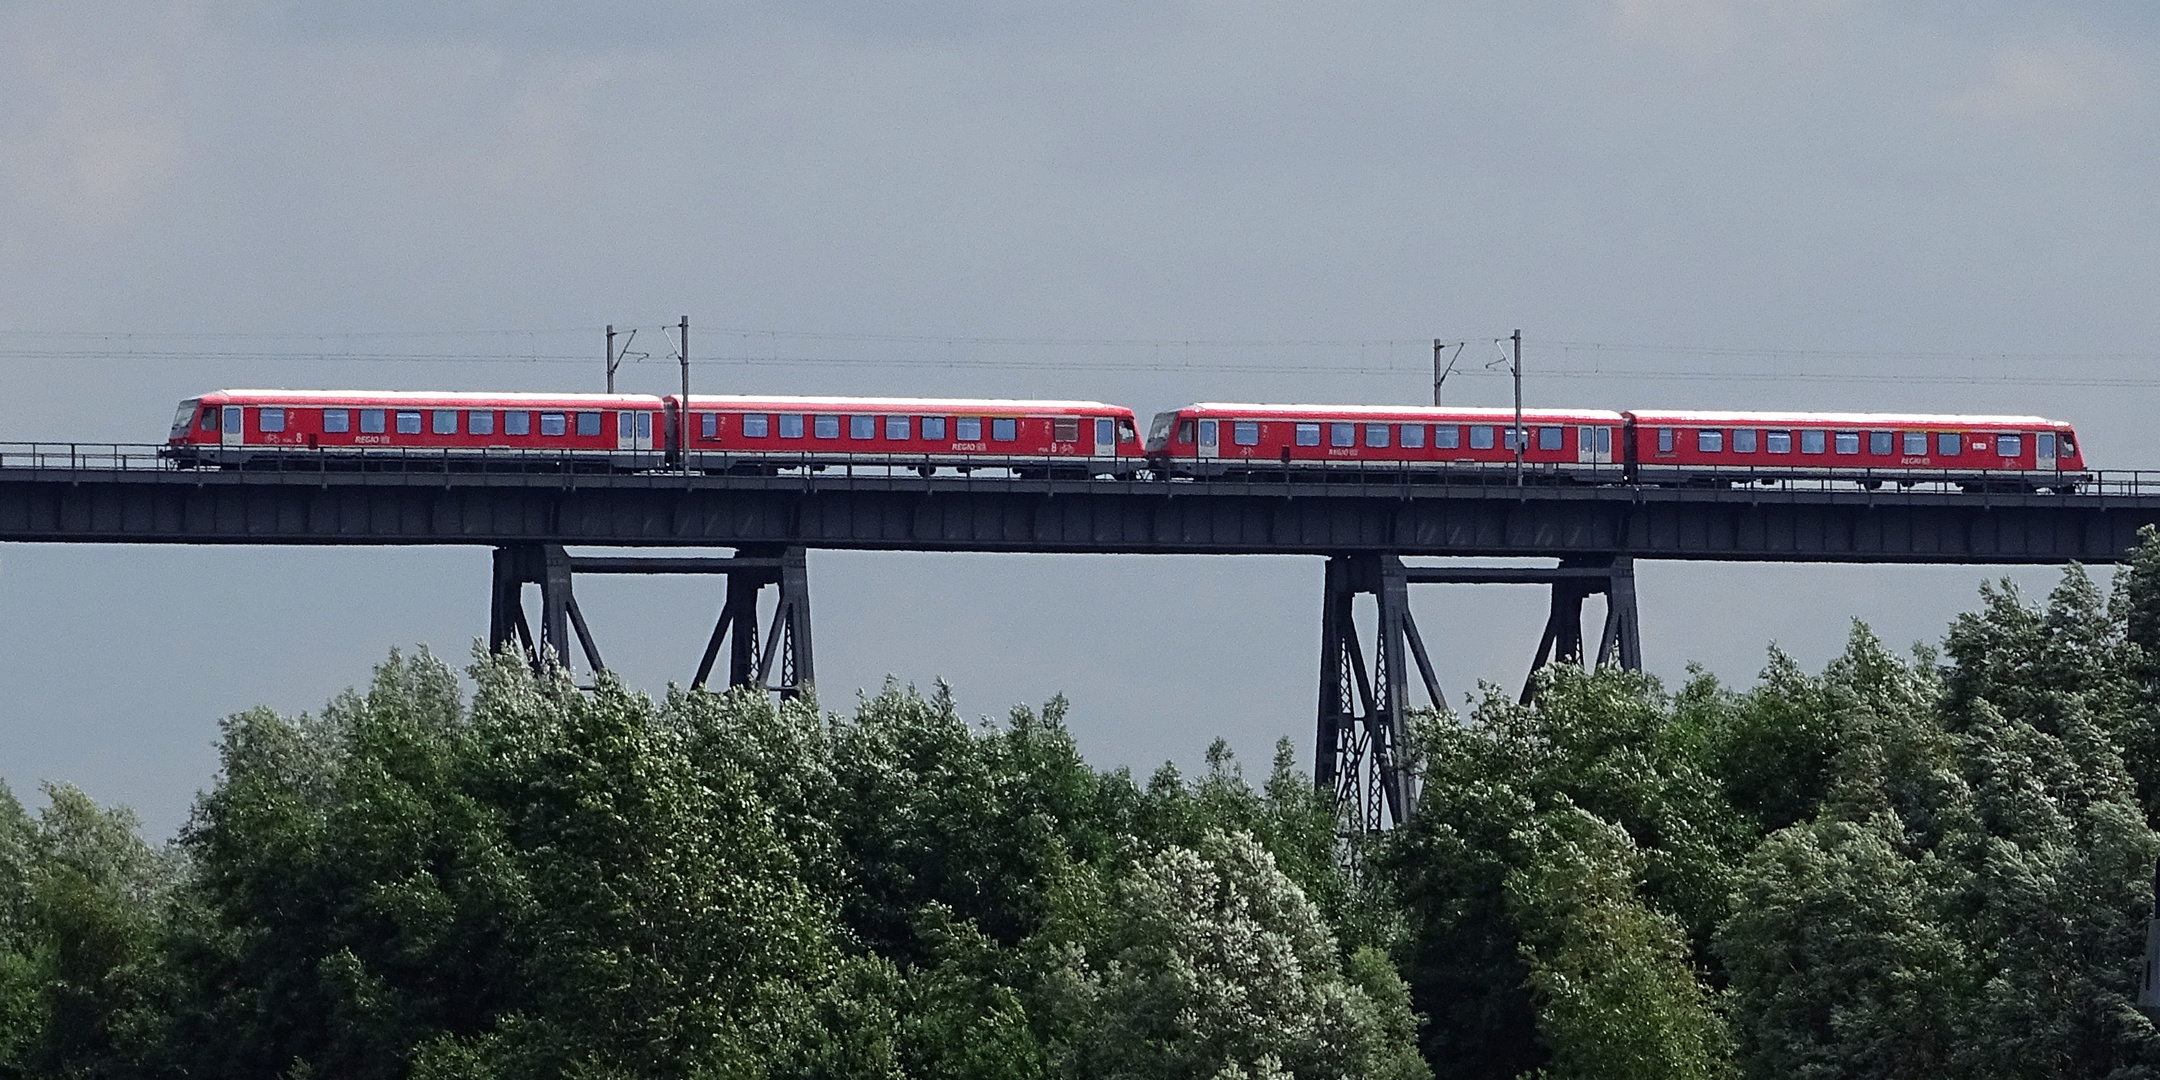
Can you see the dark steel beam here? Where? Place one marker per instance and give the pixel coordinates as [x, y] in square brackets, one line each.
[966, 514]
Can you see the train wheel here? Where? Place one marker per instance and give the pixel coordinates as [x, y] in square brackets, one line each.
[925, 471]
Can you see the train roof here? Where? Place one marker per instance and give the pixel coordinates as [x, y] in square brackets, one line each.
[333, 397]
[1853, 419]
[903, 404]
[1431, 412]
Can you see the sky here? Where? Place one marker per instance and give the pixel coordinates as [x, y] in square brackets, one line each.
[1798, 204]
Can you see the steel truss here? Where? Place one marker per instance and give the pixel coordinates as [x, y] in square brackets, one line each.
[1362, 752]
[784, 666]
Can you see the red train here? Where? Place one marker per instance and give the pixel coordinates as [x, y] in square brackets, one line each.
[1639, 446]
[762, 434]
[640, 431]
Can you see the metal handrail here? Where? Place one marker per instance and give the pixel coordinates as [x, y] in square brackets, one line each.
[1004, 472]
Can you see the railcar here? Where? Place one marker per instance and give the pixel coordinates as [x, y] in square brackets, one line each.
[1230, 439]
[236, 428]
[2023, 453]
[746, 433]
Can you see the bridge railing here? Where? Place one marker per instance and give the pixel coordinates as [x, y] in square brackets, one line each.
[1002, 472]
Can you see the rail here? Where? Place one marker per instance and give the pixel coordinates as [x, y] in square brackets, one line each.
[588, 467]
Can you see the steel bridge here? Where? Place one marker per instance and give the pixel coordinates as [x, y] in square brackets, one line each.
[530, 509]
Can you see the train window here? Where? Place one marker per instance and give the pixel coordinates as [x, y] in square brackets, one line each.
[1744, 440]
[270, 420]
[900, 428]
[1604, 440]
[1551, 438]
[480, 422]
[969, 429]
[1710, 440]
[372, 421]
[1209, 432]
[1245, 432]
[1481, 436]
[1446, 436]
[825, 427]
[1915, 442]
[1664, 440]
[2069, 446]
[517, 423]
[1879, 443]
[644, 424]
[1342, 435]
[336, 421]
[933, 428]
[209, 418]
[1777, 442]
[708, 424]
[1376, 434]
[1848, 442]
[1185, 431]
[1308, 434]
[588, 424]
[408, 422]
[2009, 445]
[554, 423]
[791, 425]
[756, 425]
[1507, 437]
[1413, 436]
[1065, 429]
[1004, 429]
[1813, 442]
[1948, 443]
[862, 427]
[1125, 431]
[445, 421]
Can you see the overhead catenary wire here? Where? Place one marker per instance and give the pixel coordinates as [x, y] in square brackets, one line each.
[1611, 358]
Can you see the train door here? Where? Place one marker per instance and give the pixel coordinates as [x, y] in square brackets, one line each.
[1593, 445]
[1210, 438]
[1105, 437]
[230, 432]
[2044, 451]
[633, 430]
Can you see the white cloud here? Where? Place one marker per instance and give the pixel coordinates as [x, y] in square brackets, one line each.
[2046, 84]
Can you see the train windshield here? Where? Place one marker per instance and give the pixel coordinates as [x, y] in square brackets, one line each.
[1159, 434]
[184, 417]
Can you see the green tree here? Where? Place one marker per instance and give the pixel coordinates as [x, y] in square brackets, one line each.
[548, 884]
[1605, 745]
[1970, 901]
[1216, 964]
[1617, 996]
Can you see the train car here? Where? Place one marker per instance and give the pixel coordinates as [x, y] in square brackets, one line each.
[1224, 439]
[236, 428]
[2026, 453]
[754, 433]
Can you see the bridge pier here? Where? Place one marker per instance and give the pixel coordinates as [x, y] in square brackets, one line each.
[785, 665]
[1362, 748]
[1361, 753]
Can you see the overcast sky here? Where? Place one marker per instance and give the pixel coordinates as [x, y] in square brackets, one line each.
[1683, 203]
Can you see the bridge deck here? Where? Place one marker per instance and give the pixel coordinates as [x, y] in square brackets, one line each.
[109, 494]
